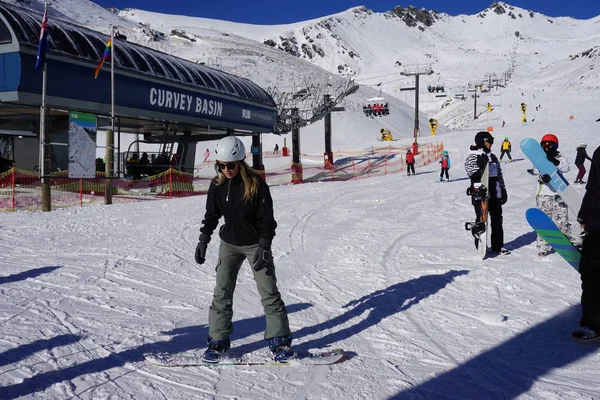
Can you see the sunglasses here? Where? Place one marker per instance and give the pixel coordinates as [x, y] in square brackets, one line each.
[229, 165]
[489, 140]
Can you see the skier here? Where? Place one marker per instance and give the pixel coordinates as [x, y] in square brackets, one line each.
[579, 161]
[445, 164]
[207, 155]
[546, 199]
[276, 149]
[410, 162]
[481, 156]
[238, 194]
[589, 266]
[505, 148]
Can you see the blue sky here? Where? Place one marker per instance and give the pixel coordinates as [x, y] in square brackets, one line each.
[269, 12]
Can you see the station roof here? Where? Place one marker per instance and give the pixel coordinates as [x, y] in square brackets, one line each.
[79, 43]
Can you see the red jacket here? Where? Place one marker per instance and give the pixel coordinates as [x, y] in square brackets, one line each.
[410, 158]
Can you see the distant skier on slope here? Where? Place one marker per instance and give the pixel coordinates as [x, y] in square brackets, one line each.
[445, 166]
[410, 162]
[580, 158]
[481, 156]
[505, 148]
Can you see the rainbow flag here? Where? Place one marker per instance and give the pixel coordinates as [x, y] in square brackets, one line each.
[106, 55]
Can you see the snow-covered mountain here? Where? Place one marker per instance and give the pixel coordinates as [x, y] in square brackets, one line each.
[536, 51]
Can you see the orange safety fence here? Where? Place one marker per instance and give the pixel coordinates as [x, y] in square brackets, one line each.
[22, 190]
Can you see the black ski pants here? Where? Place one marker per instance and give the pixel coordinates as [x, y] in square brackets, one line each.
[444, 171]
[507, 152]
[410, 167]
[494, 223]
[589, 268]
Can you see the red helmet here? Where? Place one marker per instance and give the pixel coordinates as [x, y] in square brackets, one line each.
[549, 137]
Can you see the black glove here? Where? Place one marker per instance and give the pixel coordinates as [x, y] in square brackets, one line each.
[482, 161]
[263, 257]
[200, 254]
[504, 196]
[545, 178]
[552, 159]
[481, 191]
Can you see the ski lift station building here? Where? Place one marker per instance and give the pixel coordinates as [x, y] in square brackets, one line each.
[157, 95]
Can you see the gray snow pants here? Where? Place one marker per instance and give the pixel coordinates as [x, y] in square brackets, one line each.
[221, 311]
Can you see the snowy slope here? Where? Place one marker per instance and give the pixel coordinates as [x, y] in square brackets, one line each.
[381, 267]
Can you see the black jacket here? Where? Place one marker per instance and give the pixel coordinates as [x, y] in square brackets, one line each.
[581, 156]
[589, 214]
[245, 221]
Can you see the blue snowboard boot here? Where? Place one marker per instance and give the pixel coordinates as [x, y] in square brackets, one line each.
[216, 350]
[280, 347]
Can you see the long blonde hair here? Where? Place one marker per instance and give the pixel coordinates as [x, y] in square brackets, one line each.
[249, 178]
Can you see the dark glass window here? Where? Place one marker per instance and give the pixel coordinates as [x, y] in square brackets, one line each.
[158, 69]
[63, 41]
[123, 58]
[197, 78]
[139, 59]
[242, 89]
[187, 75]
[4, 33]
[167, 64]
[21, 27]
[85, 47]
[210, 84]
[218, 84]
[227, 84]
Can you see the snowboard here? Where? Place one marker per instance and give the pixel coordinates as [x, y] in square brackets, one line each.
[479, 230]
[547, 229]
[532, 149]
[302, 358]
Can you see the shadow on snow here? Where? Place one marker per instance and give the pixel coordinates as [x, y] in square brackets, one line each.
[511, 368]
[184, 339]
[379, 305]
[32, 273]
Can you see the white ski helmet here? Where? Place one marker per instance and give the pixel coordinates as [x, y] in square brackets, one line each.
[583, 144]
[230, 148]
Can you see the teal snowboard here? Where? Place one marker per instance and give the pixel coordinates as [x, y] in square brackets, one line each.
[547, 229]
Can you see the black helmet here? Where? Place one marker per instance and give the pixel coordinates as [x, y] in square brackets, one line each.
[482, 137]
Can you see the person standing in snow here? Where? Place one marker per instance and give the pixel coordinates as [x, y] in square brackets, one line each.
[410, 162]
[589, 266]
[479, 158]
[579, 161]
[207, 155]
[546, 198]
[242, 197]
[445, 165]
[505, 148]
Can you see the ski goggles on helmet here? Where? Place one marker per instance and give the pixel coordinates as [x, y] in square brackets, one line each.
[489, 139]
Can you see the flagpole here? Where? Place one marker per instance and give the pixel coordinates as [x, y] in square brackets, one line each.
[110, 149]
[44, 164]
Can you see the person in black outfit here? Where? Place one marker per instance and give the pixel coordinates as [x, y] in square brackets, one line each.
[579, 160]
[481, 156]
[5, 164]
[589, 266]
